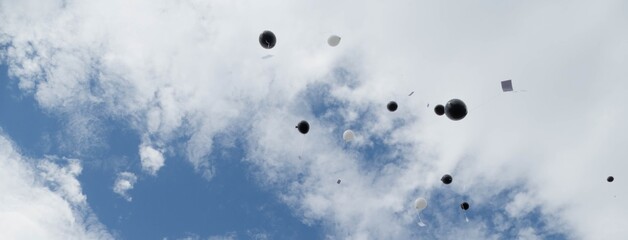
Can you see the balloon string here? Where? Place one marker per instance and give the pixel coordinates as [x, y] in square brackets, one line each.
[495, 96]
[420, 223]
[487, 100]
[301, 148]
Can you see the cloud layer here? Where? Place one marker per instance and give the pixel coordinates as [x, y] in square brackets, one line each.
[191, 70]
[43, 200]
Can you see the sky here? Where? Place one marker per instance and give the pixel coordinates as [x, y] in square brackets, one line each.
[168, 120]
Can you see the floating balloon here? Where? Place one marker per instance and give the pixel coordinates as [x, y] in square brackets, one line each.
[420, 203]
[456, 109]
[446, 179]
[267, 39]
[439, 110]
[507, 85]
[333, 40]
[348, 135]
[392, 106]
[338, 182]
[610, 179]
[464, 206]
[303, 127]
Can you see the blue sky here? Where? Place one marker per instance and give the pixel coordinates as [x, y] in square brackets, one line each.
[181, 204]
[167, 120]
[187, 206]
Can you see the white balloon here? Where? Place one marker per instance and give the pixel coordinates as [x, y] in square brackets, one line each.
[348, 135]
[420, 203]
[333, 40]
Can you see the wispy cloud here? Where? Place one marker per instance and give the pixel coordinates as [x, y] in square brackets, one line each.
[124, 182]
[187, 71]
[43, 199]
[227, 236]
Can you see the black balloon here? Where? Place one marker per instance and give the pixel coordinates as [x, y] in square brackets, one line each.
[267, 39]
[446, 179]
[610, 179]
[392, 106]
[303, 127]
[439, 110]
[464, 206]
[456, 109]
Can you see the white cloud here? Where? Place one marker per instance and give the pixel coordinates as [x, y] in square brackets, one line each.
[192, 70]
[63, 179]
[528, 234]
[251, 234]
[43, 200]
[124, 183]
[521, 205]
[227, 236]
[152, 159]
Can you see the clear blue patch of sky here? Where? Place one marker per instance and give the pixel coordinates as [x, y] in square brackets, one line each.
[183, 201]
[22, 119]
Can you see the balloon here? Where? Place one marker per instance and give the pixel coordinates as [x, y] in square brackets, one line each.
[446, 179]
[303, 127]
[338, 182]
[267, 39]
[507, 85]
[348, 135]
[610, 179]
[456, 109]
[392, 106]
[333, 40]
[420, 203]
[439, 110]
[464, 206]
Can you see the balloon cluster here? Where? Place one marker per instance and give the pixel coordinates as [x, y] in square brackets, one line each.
[268, 40]
[455, 109]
